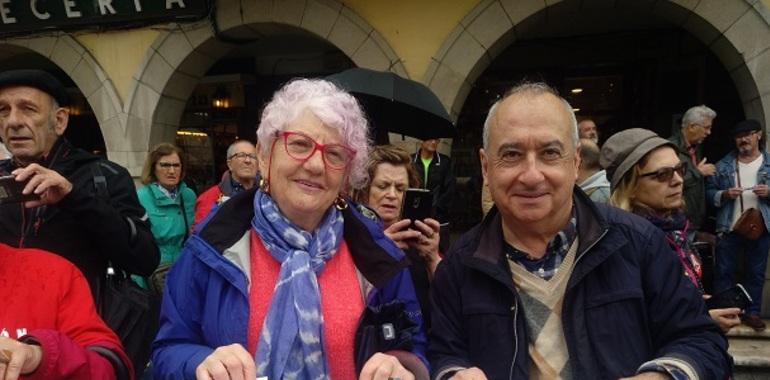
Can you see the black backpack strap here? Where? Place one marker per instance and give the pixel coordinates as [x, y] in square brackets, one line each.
[100, 185]
[121, 371]
[100, 181]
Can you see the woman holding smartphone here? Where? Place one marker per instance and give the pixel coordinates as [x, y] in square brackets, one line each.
[391, 173]
[646, 179]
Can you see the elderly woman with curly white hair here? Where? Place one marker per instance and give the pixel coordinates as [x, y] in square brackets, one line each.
[292, 280]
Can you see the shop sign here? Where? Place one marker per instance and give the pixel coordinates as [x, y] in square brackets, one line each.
[32, 16]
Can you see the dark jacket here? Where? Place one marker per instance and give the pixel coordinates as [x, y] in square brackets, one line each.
[626, 303]
[83, 227]
[441, 181]
[694, 187]
[206, 300]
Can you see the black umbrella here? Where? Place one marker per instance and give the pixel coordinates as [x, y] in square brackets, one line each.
[396, 105]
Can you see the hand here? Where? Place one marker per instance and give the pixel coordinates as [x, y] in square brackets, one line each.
[705, 168]
[762, 190]
[47, 183]
[726, 318]
[231, 362]
[384, 367]
[732, 193]
[427, 243]
[650, 376]
[399, 233]
[22, 358]
[469, 374]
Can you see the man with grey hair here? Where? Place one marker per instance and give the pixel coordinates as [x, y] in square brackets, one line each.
[587, 130]
[696, 126]
[591, 177]
[561, 287]
[242, 174]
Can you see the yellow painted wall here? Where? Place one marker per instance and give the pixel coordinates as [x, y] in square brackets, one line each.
[120, 53]
[414, 29]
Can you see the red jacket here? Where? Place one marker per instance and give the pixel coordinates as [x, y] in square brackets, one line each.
[215, 196]
[205, 202]
[46, 299]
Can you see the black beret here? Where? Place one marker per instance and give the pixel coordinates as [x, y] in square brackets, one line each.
[38, 79]
[749, 125]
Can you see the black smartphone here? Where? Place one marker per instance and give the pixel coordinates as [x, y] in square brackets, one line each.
[417, 205]
[10, 191]
[732, 297]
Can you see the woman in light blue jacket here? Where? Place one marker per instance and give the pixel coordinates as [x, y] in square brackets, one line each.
[170, 204]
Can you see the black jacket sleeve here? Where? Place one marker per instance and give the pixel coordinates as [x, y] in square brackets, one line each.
[447, 349]
[119, 225]
[446, 191]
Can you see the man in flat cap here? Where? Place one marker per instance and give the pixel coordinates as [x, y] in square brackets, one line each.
[741, 183]
[85, 207]
[551, 285]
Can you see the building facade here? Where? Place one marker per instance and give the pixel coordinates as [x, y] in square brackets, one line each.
[142, 83]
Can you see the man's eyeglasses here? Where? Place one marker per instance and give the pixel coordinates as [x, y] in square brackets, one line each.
[243, 156]
[665, 174]
[169, 165]
[301, 147]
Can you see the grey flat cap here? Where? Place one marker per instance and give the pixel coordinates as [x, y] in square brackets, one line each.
[624, 149]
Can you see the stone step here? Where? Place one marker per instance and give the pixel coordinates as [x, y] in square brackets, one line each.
[753, 353]
[743, 331]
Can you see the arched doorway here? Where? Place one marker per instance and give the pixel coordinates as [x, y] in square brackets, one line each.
[665, 55]
[736, 31]
[182, 57]
[92, 114]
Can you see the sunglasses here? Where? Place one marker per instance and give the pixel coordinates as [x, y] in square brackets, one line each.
[665, 174]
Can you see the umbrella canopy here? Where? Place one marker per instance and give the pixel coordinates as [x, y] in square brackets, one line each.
[395, 104]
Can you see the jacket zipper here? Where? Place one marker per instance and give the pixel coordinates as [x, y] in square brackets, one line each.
[515, 310]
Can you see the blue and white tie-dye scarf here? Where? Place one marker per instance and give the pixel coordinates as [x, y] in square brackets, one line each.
[291, 342]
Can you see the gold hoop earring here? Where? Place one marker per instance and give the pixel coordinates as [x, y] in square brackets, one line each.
[264, 186]
[340, 203]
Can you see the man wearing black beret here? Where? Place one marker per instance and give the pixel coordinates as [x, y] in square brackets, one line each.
[85, 207]
[741, 183]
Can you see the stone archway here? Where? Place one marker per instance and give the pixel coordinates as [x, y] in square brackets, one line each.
[180, 57]
[736, 31]
[77, 62]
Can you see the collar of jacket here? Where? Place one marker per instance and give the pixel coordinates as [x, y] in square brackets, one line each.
[225, 187]
[162, 199]
[62, 157]
[678, 139]
[488, 255]
[435, 161]
[65, 158]
[374, 254]
[732, 156]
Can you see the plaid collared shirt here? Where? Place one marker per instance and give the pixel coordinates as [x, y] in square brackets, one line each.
[548, 265]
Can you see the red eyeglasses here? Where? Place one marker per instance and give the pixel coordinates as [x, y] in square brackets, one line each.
[301, 147]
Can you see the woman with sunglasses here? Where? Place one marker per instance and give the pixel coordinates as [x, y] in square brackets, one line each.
[645, 176]
[275, 284]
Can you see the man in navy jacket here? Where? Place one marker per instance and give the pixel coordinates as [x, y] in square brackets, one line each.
[551, 285]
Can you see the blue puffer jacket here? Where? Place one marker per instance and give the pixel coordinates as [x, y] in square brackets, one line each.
[205, 303]
[626, 303]
[723, 179]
